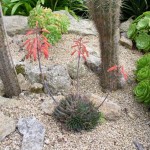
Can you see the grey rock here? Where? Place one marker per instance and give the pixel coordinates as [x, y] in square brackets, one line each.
[9, 102]
[33, 73]
[7, 126]
[37, 88]
[111, 110]
[93, 62]
[49, 105]
[125, 25]
[81, 26]
[15, 24]
[72, 69]
[33, 133]
[24, 84]
[1, 88]
[126, 42]
[58, 79]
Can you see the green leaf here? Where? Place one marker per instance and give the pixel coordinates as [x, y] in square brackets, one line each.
[143, 42]
[143, 24]
[15, 7]
[131, 31]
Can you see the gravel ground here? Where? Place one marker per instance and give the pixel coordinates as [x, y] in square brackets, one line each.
[118, 135]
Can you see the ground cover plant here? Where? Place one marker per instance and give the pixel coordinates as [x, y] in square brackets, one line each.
[142, 90]
[56, 24]
[139, 32]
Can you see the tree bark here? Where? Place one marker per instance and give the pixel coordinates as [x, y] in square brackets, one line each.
[7, 70]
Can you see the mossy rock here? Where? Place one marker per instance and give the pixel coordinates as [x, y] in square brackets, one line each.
[36, 88]
[20, 69]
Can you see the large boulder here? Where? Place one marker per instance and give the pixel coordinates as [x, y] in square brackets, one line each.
[33, 133]
[58, 79]
[72, 69]
[33, 73]
[80, 26]
[15, 24]
[110, 109]
[7, 126]
[125, 25]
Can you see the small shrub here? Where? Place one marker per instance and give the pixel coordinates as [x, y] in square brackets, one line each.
[139, 32]
[142, 90]
[56, 24]
[77, 113]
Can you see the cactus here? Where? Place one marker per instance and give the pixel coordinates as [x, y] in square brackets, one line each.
[105, 14]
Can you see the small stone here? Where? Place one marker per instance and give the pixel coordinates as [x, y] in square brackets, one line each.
[1, 88]
[111, 110]
[131, 115]
[24, 84]
[126, 42]
[37, 88]
[7, 126]
[47, 141]
[49, 105]
[33, 133]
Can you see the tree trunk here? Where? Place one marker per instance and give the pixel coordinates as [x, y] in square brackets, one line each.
[7, 71]
[105, 14]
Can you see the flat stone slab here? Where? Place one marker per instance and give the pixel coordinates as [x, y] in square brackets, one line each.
[33, 133]
[7, 126]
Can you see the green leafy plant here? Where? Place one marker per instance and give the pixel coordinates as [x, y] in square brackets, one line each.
[56, 24]
[18, 7]
[134, 8]
[139, 31]
[77, 113]
[142, 90]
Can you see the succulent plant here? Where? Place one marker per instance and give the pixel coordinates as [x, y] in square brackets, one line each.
[77, 113]
[142, 62]
[143, 73]
[142, 90]
[139, 31]
[56, 24]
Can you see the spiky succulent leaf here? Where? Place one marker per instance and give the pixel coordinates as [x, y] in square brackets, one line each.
[77, 113]
[143, 73]
[142, 91]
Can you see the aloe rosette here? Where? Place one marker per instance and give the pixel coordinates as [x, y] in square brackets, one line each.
[142, 92]
[143, 73]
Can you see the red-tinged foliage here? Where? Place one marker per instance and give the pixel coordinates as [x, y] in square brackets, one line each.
[80, 48]
[37, 44]
[120, 69]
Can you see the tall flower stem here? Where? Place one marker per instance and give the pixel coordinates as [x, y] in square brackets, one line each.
[42, 76]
